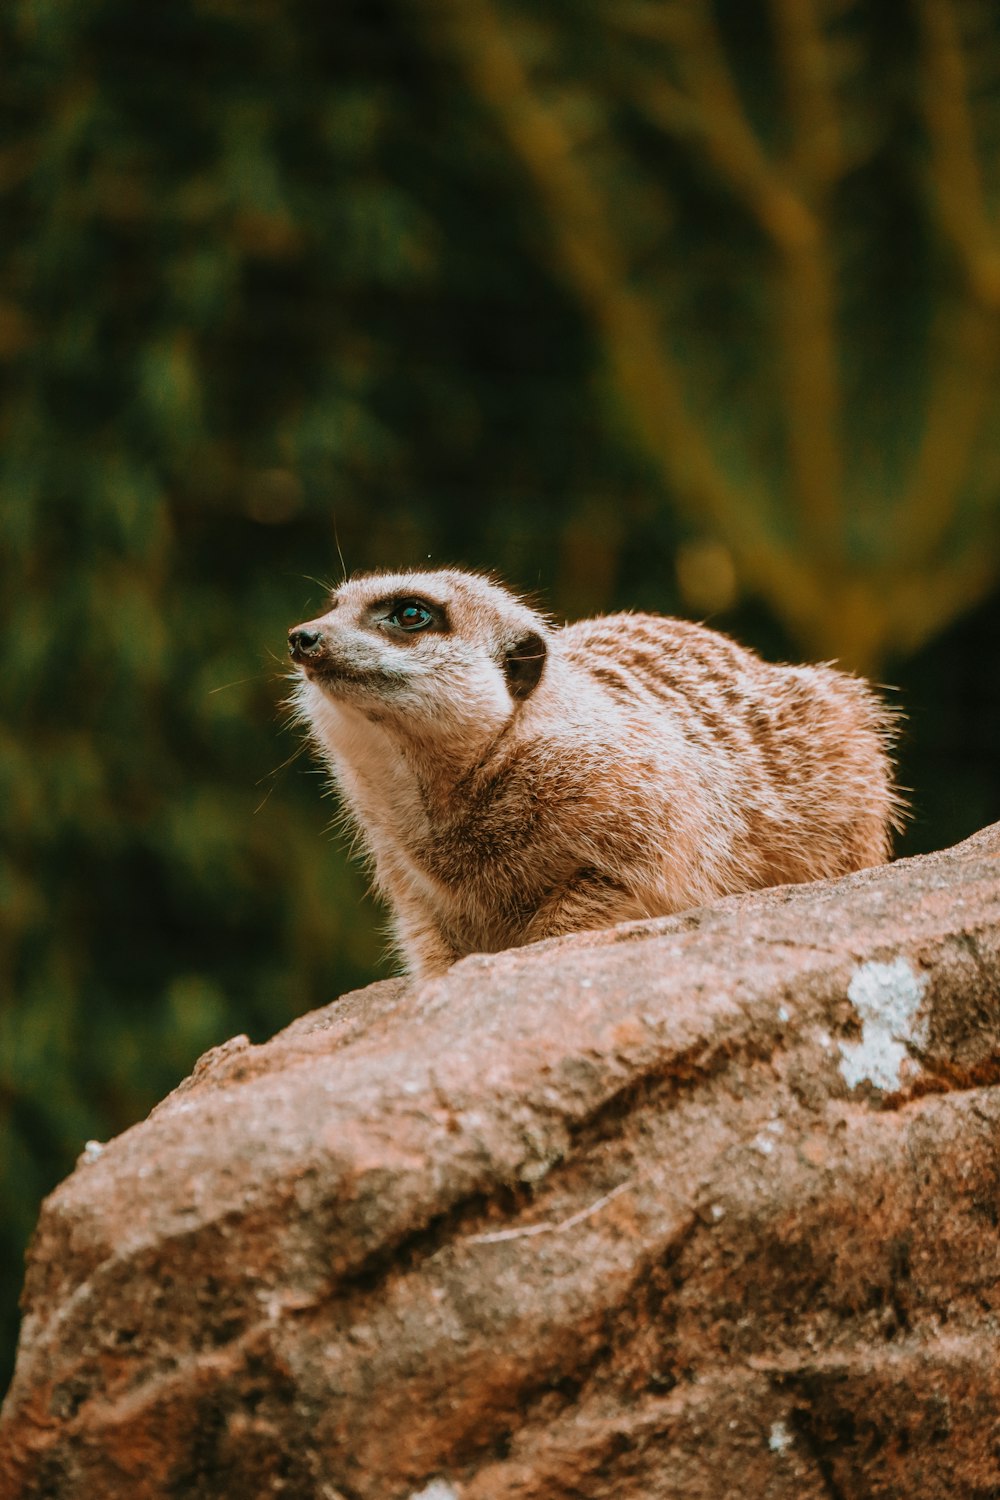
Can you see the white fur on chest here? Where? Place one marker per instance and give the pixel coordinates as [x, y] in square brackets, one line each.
[375, 779]
[378, 784]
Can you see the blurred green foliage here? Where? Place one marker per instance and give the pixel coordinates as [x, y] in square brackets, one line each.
[277, 280]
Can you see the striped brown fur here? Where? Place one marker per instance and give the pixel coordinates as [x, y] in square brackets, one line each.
[511, 780]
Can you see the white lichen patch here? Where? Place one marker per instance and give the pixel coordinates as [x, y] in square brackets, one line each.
[438, 1489]
[780, 1438]
[764, 1141]
[887, 998]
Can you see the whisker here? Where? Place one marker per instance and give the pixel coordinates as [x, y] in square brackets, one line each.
[336, 538]
[301, 749]
[321, 583]
[264, 799]
[238, 683]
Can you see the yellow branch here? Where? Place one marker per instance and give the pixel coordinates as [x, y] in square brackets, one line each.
[730, 141]
[854, 615]
[866, 618]
[808, 316]
[654, 21]
[789, 204]
[927, 601]
[966, 364]
[650, 385]
[964, 383]
[957, 180]
[816, 157]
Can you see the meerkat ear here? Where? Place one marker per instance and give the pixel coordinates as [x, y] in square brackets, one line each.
[523, 663]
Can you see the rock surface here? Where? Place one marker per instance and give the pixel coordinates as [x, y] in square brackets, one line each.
[699, 1207]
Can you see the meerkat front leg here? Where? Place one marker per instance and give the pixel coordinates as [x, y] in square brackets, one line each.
[588, 900]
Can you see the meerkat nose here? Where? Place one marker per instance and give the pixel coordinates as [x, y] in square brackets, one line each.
[304, 641]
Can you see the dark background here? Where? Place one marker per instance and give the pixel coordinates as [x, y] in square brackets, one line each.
[690, 307]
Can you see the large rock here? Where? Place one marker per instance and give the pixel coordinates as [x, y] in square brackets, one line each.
[699, 1207]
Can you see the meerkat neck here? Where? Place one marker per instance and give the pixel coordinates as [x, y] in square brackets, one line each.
[393, 775]
[439, 767]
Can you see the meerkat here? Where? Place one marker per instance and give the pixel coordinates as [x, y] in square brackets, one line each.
[513, 780]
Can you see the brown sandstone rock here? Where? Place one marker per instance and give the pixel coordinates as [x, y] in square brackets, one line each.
[699, 1207]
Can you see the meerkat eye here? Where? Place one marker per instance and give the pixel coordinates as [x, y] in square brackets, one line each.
[410, 614]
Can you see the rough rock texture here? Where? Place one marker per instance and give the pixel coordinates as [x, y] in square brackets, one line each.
[700, 1207]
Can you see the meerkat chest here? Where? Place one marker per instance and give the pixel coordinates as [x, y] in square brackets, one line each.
[378, 785]
[407, 806]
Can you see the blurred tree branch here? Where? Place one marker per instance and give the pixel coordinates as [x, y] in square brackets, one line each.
[792, 534]
[968, 334]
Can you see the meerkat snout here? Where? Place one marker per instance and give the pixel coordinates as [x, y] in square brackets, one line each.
[304, 642]
[512, 780]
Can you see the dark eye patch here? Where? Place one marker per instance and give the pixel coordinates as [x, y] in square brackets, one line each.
[411, 614]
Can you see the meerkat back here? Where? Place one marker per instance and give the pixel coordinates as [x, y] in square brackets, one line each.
[799, 755]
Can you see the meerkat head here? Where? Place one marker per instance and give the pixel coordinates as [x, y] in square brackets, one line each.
[431, 651]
